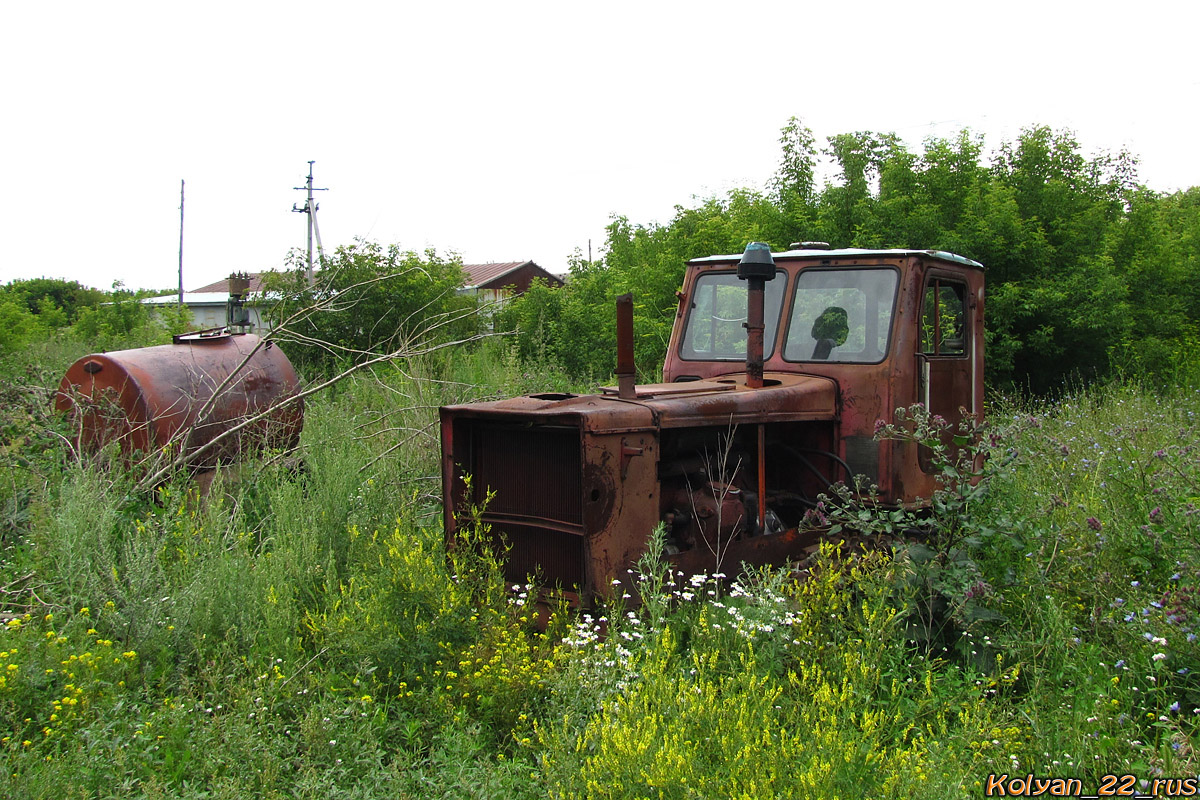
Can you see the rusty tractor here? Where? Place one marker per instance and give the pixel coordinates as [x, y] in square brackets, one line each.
[728, 458]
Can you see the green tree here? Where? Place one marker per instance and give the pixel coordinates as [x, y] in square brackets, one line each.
[116, 319]
[794, 185]
[68, 296]
[18, 325]
[368, 299]
[1159, 244]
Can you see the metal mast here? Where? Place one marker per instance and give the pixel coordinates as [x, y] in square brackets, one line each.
[310, 208]
[181, 241]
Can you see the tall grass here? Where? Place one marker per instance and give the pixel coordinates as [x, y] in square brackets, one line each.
[303, 632]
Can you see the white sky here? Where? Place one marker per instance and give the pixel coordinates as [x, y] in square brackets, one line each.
[511, 131]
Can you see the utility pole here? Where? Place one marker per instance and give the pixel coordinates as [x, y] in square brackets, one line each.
[310, 208]
[181, 241]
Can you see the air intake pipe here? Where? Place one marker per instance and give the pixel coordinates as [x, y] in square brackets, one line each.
[756, 267]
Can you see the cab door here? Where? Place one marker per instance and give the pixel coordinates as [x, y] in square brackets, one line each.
[946, 355]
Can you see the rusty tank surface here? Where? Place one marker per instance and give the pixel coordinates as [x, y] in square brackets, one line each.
[185, 394]
[778, 369]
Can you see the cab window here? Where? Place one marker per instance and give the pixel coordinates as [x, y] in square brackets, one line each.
[716, 324]
[842, 315]
[943, 319]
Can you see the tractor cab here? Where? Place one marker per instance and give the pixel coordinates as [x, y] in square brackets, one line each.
[890, 327]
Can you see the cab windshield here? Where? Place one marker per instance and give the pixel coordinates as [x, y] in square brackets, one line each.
[716, 321]
[842, 315]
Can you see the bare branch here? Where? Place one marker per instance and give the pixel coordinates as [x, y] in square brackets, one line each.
[186, 456]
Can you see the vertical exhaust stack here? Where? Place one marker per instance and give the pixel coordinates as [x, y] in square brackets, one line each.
[626, 371]
[757, 267]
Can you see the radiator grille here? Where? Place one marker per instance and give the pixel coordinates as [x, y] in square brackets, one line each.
[532, 472]
[555, 557]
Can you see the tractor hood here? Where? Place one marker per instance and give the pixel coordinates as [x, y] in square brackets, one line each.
[723, 400]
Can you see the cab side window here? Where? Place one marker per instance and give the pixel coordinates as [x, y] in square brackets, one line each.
[944, 318]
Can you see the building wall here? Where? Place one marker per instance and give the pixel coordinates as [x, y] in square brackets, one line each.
[210, 315]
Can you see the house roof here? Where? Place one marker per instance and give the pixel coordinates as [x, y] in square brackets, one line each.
[477, 276]
[480, 275]
[223, 285]
[190, 299]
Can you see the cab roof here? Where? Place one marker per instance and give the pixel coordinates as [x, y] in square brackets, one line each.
[851, 252]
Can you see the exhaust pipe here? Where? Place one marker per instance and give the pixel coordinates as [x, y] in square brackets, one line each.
[756, 267]
[626, 371]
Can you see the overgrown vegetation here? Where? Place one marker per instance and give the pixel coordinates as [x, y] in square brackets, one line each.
[306, 633]
[63, 315]
[366, 299]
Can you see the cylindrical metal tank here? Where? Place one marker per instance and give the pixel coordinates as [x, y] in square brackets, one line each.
[152, 397]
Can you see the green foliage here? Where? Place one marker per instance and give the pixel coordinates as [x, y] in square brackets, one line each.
[40, 295]
[44, 312]
[175, 318]
[18, 325]
[795, 181]
[774, 688]
[306, 632]
[121, 321]
[368, 299]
